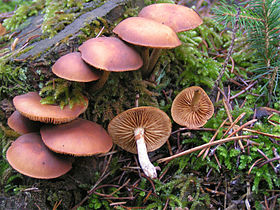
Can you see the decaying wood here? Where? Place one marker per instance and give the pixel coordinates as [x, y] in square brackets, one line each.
[111, 10]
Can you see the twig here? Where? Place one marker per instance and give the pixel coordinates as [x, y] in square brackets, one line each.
[262, 133]
[194, 129]
[255, 163]
[269, 161]
[234, 123]
[126, 183]
[264, 155]
[166, 204]
[212, 139]
[243, 91]
[117, 203]
[242, 126]
[230, 48]
[214, 191]
[202, 147]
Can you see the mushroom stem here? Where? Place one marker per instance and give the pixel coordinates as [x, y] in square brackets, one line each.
[153, 60]
[145, 163]
[145, 57]
[196, 99]
[100, 83]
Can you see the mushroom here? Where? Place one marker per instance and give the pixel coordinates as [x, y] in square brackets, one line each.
[21, 124]
[109, 54]
[29, 156]
[72, 67]
[192, 107]
[29, 106]
[177, 17]
[149, 34]
[141, 130]
[79, 138]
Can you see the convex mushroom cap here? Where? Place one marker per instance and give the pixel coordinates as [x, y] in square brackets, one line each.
[177, 17]
[149, 33]
[155, 122]
[23, 125]
[79, 138]
[110, 54]
[192, 107]
[29, 156]
[29, 106]
[72, 67]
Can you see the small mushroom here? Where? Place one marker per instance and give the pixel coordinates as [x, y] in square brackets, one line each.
[29, 156]
[72, 67]
[79, 138]
[177, 17]
[141, 130]
[192, 107]
[22, 125]
[29, 106]
[148, 34]
[109, 54]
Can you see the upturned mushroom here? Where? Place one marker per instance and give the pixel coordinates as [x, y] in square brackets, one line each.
[29, 106]
[109, 54]
[148, 34]
[79, 138]
[29, 156]
[141, 130]
[192, 107]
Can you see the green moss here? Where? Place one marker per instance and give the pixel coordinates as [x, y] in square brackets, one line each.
[14, 80]
[22, 13]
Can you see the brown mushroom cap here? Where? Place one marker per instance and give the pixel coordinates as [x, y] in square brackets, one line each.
[79, 138]
[29, 156]
[177, 17]
[72, 67]
[156, 124]
[144, 32]
[110, 54]
[22, 125]
[192, 117]
[29, 106]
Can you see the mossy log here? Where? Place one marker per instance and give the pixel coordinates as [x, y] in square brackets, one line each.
[45, 49]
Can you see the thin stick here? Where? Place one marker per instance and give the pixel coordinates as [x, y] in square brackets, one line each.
[221, 141]
[228, 107]
[230, 48]
[262, 133]
[234, 123]
[212, 139]
[243, 91]
[242, 126]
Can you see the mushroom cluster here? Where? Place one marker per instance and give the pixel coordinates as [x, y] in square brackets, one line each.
[155, 28]
[48, 129]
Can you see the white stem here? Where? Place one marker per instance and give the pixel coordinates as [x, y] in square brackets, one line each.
[145, 163]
